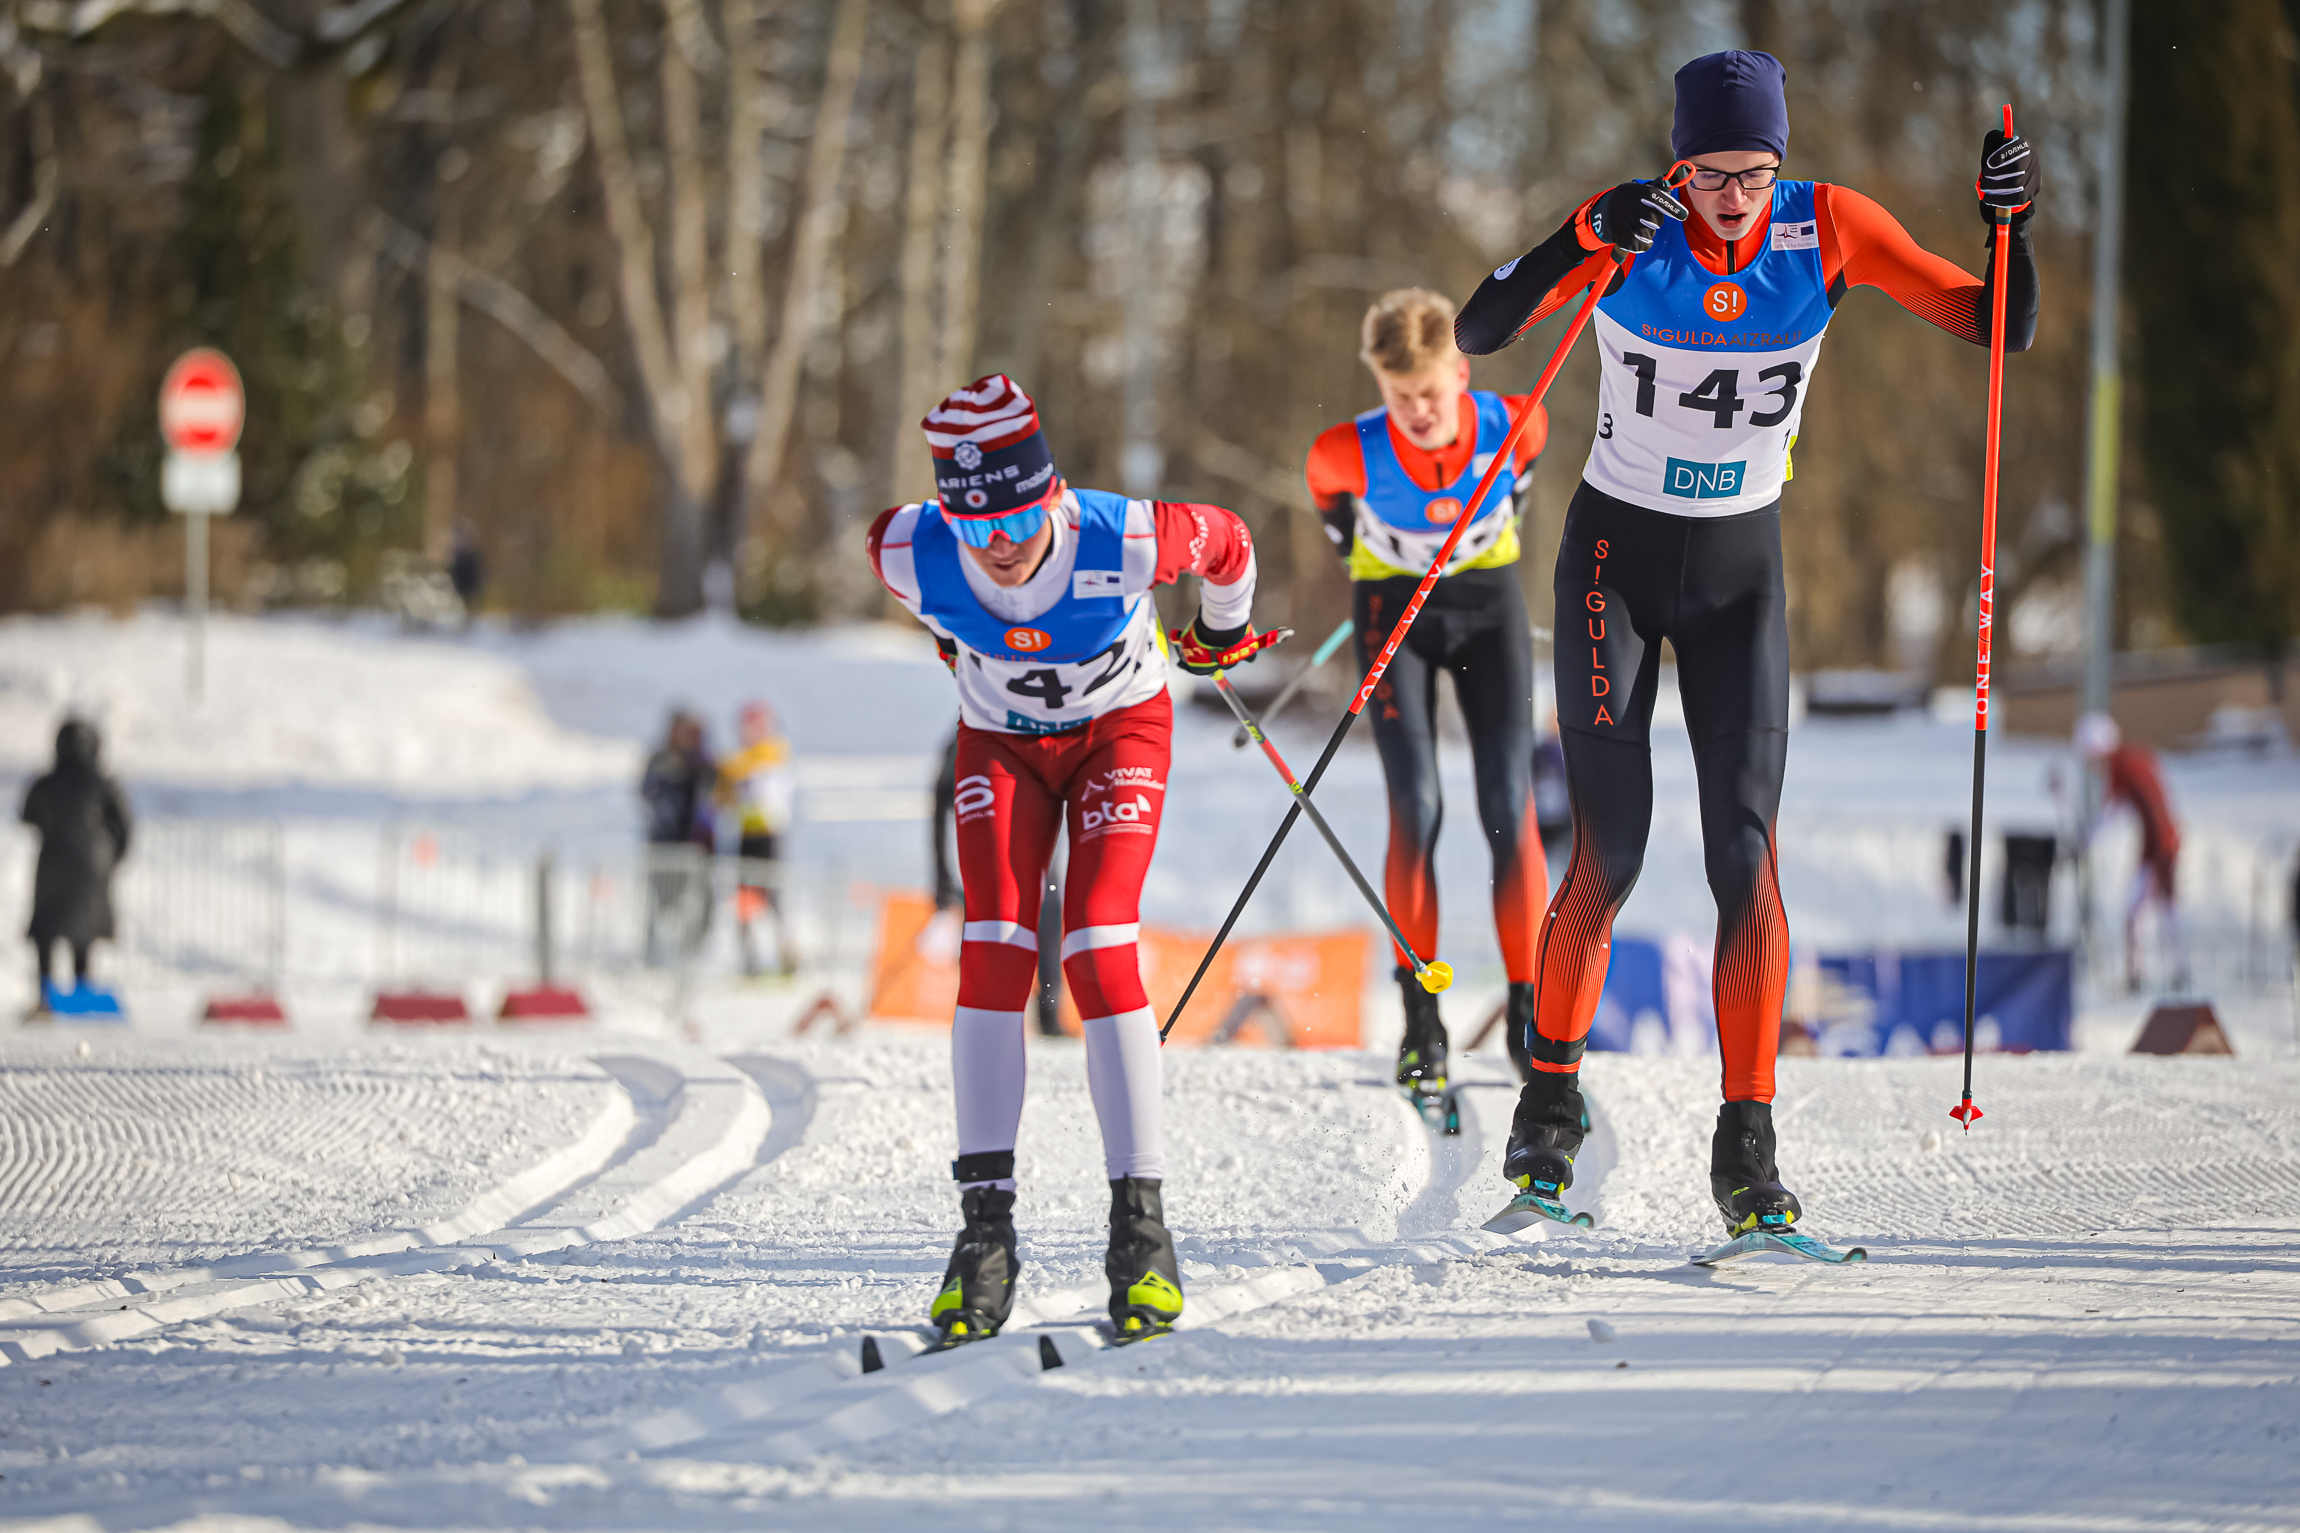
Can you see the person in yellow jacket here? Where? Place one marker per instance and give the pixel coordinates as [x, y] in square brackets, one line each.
[757, 783]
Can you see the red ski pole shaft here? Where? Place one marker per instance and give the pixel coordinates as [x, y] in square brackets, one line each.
[1965, 1112]
[1597, 286]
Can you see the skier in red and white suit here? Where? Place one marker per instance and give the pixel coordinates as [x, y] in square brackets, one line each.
[1038, 596]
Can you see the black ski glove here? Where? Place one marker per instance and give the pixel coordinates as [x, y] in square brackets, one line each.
[1630, 215]
[1340, 517]
[2009, 177]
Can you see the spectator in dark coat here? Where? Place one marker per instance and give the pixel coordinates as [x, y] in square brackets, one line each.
[676, 791]
[467, 569]
[678, 784]
[83, 823]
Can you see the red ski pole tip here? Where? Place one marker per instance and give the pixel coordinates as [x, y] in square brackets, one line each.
[1965, 1113]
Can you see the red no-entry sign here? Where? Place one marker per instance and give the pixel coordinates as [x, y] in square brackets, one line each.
[201, 403]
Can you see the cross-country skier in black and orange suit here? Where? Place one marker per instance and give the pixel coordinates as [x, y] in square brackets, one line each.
[1707, 342]
[1390, 485]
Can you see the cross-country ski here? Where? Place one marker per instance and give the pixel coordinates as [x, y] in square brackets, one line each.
[1530, 1208]
[1787, 1242]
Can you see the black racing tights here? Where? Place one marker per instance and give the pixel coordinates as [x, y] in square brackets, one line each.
[1474, 626]
[1627, 578]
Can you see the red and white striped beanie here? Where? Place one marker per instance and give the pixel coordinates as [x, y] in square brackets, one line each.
[989, 455]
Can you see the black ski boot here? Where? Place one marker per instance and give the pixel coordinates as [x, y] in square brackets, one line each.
[1742, 1176]
[1517, 1026]
[978, 1286]
[1422, 1051]
[1545, 1134]
[1145, 1278]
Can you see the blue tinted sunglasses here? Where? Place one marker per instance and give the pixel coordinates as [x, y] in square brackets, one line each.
[977, 531]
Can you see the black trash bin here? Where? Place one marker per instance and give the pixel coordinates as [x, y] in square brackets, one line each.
[2026, 905]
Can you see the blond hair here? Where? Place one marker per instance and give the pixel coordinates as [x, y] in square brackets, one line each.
[1407, 330]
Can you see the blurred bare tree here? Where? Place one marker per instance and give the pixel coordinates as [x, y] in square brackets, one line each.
[655, 288]
[2221, 389]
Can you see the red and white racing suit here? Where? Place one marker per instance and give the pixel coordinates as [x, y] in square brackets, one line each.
[1096, 761]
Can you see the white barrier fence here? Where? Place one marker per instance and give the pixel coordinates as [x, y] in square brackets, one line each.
[234, 906]
[255, 905]
[205, 899]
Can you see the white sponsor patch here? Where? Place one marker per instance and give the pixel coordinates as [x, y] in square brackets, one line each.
[1804, 236]
[1086, 583]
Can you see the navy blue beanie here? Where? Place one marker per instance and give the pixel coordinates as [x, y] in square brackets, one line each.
[1731, 100]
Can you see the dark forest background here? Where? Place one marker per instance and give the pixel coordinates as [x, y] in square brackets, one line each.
[643, 298]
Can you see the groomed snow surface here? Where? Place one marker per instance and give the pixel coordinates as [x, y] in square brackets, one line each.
[2087, 1315]
[617, 1277]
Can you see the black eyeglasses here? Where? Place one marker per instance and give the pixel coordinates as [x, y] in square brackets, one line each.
[1755, 180]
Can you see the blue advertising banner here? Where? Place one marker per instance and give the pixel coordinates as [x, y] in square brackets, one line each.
[1914, 1003]
[1656, 1001]
[1633, 992]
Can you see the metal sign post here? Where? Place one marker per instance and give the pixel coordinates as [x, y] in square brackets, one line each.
[2101, 452]
[202, 408]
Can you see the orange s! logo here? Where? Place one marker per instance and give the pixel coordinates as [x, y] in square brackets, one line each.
[1029, 640]
[1725, 301]
[1445, 510]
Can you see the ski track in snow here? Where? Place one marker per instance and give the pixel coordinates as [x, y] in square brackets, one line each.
[623, 1175]
[2095, 1286]
[145, 1152]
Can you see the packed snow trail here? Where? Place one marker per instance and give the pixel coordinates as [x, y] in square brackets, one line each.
[149, 1151]
[2086, 1315]
[622, 1175]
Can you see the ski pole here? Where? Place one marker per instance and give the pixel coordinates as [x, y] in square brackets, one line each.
[1965, 1112]
[1397, 636]
[1286, 693]
[1434, 975]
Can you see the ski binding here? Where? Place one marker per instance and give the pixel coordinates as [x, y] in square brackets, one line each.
[1439, 1110]
[1142, 1332]
[1790, 1242]
[1529, 1208]
[953, 1336]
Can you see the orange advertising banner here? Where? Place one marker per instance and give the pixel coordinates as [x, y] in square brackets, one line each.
[1282, 990]
[913, 978]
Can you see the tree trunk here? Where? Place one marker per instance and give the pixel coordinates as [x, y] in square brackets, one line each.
[34, 217]
[1055, 213]
[686, 52]
[969, 161]
[681, 593]
[681, 421]
[918, 379]
[745, 261]
[501, 302]
[2212, 276]
[1142, 462]
[810, 253]
[442, 408]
